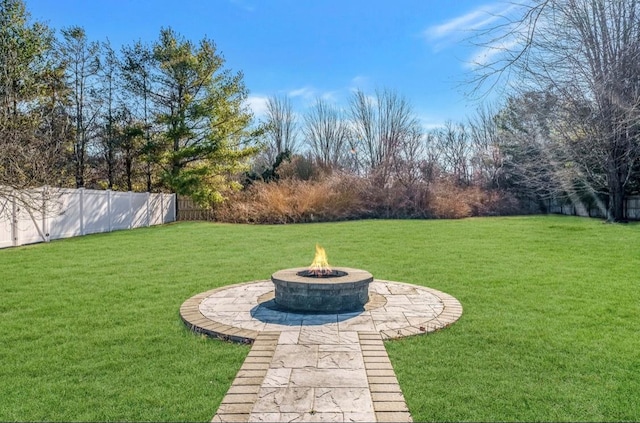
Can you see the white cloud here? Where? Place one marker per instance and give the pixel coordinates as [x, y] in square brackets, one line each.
[462, 26]
[330, 96]
[258, 105]
[487, 55]
[430, 122]
[495, 32]
[359, 82]
[304, 92]
[307, 95]
[475, 19]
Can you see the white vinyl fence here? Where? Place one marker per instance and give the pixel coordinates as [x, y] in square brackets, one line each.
[631, 208]
[64, 213]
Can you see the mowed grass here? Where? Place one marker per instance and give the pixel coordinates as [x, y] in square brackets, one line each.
[90, 327]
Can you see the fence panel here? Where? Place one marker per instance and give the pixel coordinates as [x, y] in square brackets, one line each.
[6, 228]
[139, 211]
[169, 207]
[156, 212]
[6, 237]
[73, 212]
[66, 214]
[632, 208]
[121, 211]
[30, 228]
[95, 212]
[188, 210]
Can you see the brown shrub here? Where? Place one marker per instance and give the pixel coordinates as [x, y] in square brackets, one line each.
[341, 196]
[299, 167]
[448, 200]
[335, 197]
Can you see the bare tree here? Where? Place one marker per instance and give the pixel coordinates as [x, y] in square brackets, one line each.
[430, 168]
[30, 144]
[586, 52]
[533, 164]
[452, 142]
[382, 126]
[81, 56]
[487, 158]
[281, 129]
[327, 134]
[410, 159]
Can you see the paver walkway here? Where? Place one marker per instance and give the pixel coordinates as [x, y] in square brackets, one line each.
[317, 367]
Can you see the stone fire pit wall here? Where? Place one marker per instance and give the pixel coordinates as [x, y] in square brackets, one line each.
[325, 295]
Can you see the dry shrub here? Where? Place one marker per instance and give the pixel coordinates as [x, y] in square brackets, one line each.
[495, 203]
[331, 196]
[336, 197]
[448, 200]
[299, 167]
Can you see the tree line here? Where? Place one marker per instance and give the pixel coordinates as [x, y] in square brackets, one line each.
[164, 116]
[169, 115]
[567, 128]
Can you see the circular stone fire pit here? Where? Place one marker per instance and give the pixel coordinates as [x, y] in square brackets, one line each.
[342, 290]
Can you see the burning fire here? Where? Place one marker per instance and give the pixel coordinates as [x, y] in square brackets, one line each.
[320, 265]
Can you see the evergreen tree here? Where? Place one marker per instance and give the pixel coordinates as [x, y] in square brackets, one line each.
[205, 123]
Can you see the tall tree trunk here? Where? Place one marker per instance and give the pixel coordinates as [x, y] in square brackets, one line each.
[616, 212]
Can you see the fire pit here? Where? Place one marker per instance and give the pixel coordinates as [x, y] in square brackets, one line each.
[320, 288]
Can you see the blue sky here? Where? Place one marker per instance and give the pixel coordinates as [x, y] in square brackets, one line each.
[312, 48]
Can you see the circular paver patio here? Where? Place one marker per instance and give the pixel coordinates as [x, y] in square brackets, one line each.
[395, 309]
[312, 366]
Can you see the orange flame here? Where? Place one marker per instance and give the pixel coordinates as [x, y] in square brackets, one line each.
[320, 265]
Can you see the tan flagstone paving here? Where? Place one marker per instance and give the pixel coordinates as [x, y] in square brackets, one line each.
[317, 367]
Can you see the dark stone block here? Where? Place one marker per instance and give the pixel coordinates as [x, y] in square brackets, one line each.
[349, 292]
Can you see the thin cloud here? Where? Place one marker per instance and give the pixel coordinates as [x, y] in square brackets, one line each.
[258, 105]
[308, 95]
[488, 55]
[330, 96]
[490, 26]
[359, 81]
[430, 122]
[460, 27]
[304, 92]
[474, 20]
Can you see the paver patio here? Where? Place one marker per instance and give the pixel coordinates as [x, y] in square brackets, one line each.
[317, 367]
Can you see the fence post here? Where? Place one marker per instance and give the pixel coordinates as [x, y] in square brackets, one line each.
[45, 220]
[81, 193]
[109, 211]
[14, 222]
[162, 211]
[148, 212]
[175, 206]
[130, 209]
[625, 208]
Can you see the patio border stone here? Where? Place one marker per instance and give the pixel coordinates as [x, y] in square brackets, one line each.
[354, 355]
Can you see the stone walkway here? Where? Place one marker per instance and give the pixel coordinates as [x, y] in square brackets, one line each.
[317, 367]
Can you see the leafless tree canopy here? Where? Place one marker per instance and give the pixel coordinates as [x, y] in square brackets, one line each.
[585, 53]
[282, 127]
[384, 129]
[327, 133]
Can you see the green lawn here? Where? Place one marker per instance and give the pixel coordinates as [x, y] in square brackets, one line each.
[90, 329]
